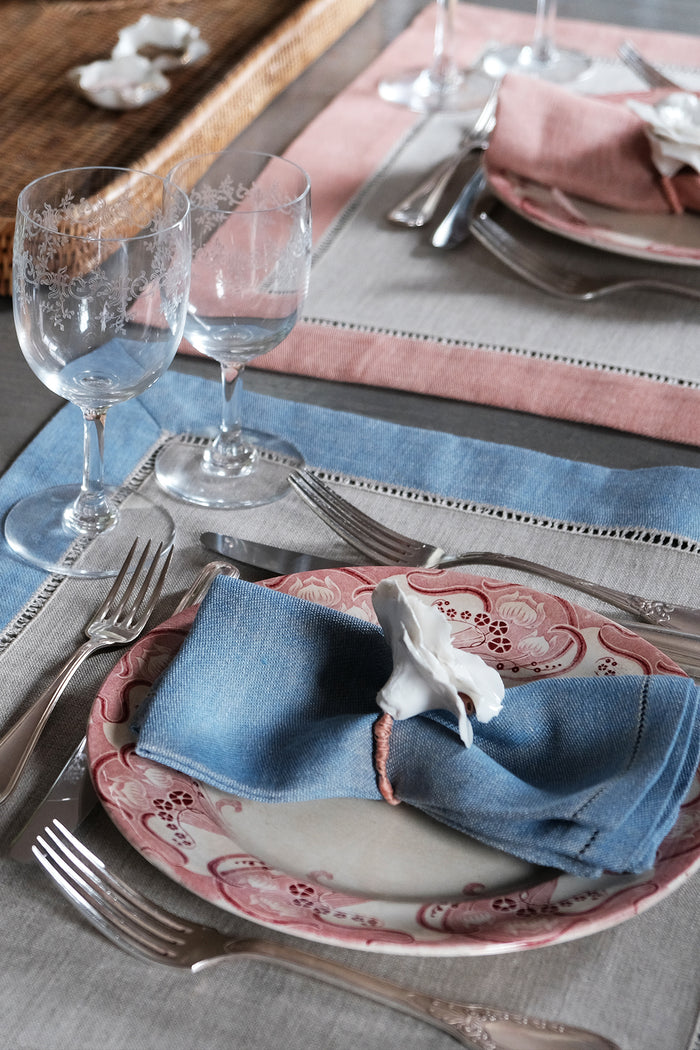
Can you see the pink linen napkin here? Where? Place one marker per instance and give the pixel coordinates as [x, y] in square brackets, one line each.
[591, 147]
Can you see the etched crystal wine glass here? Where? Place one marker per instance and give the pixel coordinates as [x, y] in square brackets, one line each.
[541, 58]
[443, 85]
[251, 259]
[100, 281]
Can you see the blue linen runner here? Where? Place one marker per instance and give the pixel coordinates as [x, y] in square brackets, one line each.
[660, 500]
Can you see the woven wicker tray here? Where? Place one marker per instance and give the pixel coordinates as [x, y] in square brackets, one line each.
[257, 48]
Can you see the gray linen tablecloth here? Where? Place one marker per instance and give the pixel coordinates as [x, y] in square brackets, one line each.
[65, 988]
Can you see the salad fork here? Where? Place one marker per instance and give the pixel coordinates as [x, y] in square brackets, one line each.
[567, 284]
[118, 621]
[386, 547]
[149, 932]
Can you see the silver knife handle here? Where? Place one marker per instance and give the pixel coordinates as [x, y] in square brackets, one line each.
[203, 582]
[679, 617]
[454, 228]
[18, 742]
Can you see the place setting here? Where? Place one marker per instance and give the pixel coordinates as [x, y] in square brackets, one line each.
[617, 174]
[350, 692]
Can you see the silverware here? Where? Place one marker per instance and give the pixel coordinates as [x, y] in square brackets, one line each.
[274, 559]
[456, 226]
[646, 72]
[386, 547]
[142, 928]
[683, 648]
[72, 796]
[553, 277]
[420, 205]
[118, 621]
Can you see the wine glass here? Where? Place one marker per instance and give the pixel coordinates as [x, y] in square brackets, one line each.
[541, 58]
[100, 277]
[443, 85]
[251, 258]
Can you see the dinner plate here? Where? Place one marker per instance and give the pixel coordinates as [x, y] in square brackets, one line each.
[360, 873]
[657, 238]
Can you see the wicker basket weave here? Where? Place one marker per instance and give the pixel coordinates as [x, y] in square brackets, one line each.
[257, 48]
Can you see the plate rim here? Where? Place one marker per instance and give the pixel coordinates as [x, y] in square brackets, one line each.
[591, 236]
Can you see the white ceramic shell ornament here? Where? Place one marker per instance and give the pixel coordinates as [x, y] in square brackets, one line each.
[170, 43]
[429, 672]
[133, 76]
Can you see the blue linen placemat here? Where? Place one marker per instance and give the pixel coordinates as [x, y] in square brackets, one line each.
[660, 499]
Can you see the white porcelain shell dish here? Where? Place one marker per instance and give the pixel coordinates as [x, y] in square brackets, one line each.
[120, 83]
[171, 42]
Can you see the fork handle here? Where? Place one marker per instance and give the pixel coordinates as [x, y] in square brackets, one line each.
[17, 744]
[677, 617]
[474, 1026]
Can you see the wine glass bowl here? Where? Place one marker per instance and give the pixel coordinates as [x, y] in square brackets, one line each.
[251, 257]
[100, 278]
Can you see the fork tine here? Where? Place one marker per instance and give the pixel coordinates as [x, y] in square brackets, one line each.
[643, 69]
[104, 609]
[115, 909]
[351, 524]
[138, 613]
[527, 263]
[370, 537]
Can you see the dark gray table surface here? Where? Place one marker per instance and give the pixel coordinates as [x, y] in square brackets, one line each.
[25, 404]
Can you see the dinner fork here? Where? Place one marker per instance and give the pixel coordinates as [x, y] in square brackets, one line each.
[119, 620]
[646, 72]
[554, 278]
[386, 547]
[149, 932]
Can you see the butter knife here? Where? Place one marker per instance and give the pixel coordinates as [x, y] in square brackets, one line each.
[455, 227]
[72, 795]
[275, 560]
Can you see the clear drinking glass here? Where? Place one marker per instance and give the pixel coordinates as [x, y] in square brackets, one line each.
[443, 85]
[541, 58]
[251, 259]
[100, 280]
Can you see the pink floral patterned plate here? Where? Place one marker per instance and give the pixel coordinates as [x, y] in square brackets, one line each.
[656, 238]
[363, 874]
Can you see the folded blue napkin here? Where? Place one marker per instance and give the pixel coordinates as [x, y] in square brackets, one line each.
[273, 698]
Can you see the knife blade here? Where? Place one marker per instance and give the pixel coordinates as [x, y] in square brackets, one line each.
[272, 559]
[69, 800]
[72, 795]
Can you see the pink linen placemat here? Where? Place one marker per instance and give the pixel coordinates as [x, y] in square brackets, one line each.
[348, 143]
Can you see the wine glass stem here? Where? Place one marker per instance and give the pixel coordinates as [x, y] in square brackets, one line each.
[92, 512]
[444, 71]
[229, 454]
[543, 39]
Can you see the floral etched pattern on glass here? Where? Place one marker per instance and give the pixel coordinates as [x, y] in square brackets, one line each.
[251, 258]
[100, 281]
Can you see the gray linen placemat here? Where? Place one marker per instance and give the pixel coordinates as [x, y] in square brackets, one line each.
[65, 988]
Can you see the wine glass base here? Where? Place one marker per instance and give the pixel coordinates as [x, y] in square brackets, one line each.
[561, 67]
[421, 91]
[35, 530]
[180, 471]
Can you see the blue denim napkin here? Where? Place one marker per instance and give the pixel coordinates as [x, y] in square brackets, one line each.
[273, 698]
